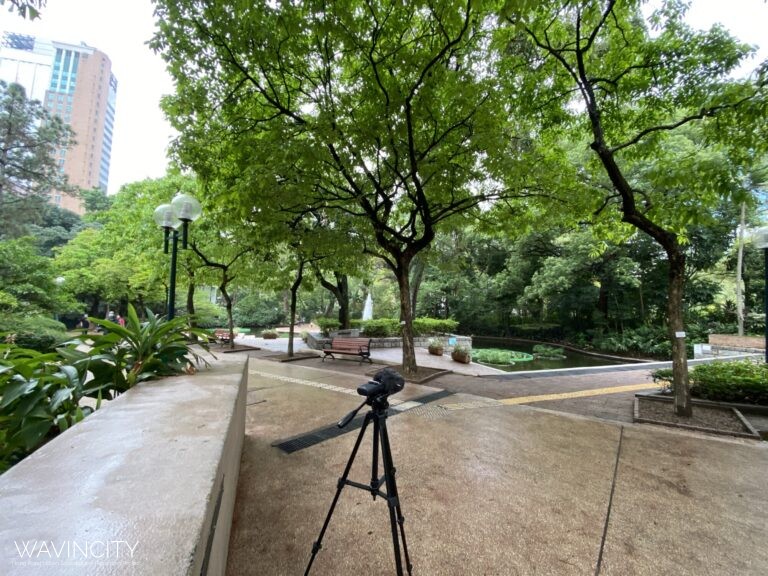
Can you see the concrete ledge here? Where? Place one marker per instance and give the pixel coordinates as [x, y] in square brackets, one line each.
[145, 486]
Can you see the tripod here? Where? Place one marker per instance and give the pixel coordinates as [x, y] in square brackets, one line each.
[378, 415]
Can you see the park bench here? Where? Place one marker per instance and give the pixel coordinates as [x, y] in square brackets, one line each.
[352, 346]
[221, 335]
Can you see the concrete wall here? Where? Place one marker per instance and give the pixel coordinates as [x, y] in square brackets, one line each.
[144, 486]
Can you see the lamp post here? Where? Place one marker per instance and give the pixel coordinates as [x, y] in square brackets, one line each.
[182, 210]
[761, 241]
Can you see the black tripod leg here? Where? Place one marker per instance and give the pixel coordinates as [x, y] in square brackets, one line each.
[342, 482]
[396, 517]
[375, 460]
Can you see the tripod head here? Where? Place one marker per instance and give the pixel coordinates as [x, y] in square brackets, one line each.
[385, 383]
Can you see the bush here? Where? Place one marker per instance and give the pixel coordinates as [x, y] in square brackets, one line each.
[425, 325]
[40, 393]
[32, 341]
[737, 381]
[327, 325]
[381, 328]
[270, 334]
[39, 333]
[208, 315]
[390, 327]
[648, 341]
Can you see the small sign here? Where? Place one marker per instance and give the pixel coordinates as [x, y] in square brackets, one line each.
[451, 341]
[679, 334]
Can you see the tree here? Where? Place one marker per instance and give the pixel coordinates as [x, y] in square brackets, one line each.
[25, 8]
[29, 136]
[599, 74]
[26, 279]
[96, 200]
[383, 111]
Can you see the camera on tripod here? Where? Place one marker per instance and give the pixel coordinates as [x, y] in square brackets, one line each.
[385, 382]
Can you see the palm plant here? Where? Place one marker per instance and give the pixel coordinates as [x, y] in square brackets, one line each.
[138, 351]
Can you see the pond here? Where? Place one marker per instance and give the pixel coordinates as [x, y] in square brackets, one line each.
[572, 359]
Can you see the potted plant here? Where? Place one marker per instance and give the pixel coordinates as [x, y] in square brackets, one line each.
[435, 346]
[461, 353]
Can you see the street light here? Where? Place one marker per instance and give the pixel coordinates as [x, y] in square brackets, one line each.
[182, 210]
[761, 241]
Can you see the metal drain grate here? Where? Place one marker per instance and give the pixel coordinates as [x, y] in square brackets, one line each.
[317, 436]
[328, 432]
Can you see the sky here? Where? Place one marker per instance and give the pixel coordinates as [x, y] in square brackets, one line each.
[121, 28]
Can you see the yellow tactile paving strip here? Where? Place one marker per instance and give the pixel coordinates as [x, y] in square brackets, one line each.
[580, 393]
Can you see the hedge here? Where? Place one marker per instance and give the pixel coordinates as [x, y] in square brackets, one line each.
[422, 326]
[741, 381]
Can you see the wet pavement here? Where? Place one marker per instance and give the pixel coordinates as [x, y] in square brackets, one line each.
[489, 485]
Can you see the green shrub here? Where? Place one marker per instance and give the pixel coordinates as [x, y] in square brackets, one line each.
[740, 381]
[737, 381]
[649, 341]
[327, 325]
[39, 342]
[40, 393]
[39, 397]
[138, 351]
[425, 325]
[39, 333]
[208, 314]
[381, 328]
[390, 327]
[270, 334]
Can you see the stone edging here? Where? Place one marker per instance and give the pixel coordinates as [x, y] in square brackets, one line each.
[752, 433]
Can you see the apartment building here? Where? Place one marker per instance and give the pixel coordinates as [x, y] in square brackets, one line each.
[76, 83]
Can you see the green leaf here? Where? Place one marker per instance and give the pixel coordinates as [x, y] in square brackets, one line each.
[16, 390]
[32, 433]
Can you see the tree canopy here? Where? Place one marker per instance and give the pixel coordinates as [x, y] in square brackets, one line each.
[29, 170]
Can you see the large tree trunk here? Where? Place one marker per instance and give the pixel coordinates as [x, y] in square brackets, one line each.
[191, 300]
[294, 291]
[228, 306]
[406, 316]
[676, 278]
[342, 282]
[677, 332]
[340, 292]
[419, 265]
[739, 266]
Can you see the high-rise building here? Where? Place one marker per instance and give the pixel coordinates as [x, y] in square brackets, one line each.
[76, 83]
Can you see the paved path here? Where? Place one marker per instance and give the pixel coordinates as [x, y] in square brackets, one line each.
[488, 487]
[600, 392]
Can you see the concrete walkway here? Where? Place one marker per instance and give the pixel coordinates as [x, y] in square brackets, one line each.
[489, 488]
